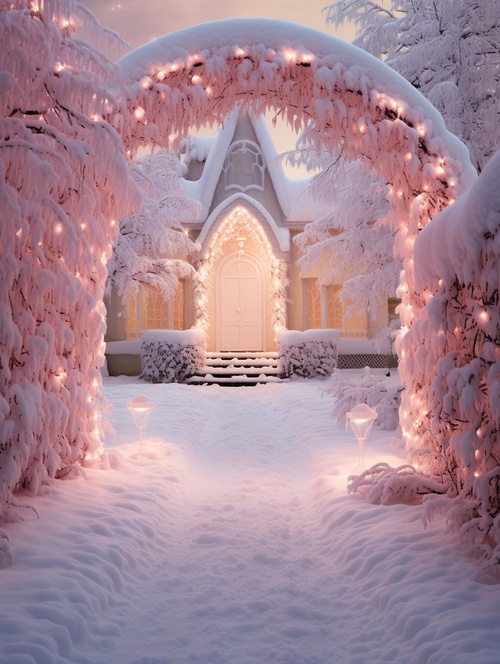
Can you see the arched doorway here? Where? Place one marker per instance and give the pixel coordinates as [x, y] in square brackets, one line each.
[240, 290]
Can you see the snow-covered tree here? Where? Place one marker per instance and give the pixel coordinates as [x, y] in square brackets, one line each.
[352, 243]
[152, 246]
[450, 410]
[448, 49]
[63, 182]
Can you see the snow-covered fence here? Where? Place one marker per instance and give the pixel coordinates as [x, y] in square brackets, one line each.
[171, 356]
[308, 354]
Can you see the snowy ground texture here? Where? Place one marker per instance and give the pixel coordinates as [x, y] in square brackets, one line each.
[231, 540]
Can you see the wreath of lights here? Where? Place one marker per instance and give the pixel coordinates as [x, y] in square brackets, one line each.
[240, 221]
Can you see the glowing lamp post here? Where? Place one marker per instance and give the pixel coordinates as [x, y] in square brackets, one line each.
[141, 408]
[361, 418]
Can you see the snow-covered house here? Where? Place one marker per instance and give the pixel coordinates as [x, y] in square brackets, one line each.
[248, 286]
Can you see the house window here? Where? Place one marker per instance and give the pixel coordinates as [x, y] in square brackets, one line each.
[324, 308]
[147, 310]
[244, 167]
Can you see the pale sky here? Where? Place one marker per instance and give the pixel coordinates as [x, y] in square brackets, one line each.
[139, 21]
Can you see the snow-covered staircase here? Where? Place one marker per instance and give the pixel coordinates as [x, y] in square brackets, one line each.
[236, 369]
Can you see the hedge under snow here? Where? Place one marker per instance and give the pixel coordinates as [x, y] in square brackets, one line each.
[171, 356]
[308, 354]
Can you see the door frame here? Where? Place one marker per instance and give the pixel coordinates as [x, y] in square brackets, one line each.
[255, 258]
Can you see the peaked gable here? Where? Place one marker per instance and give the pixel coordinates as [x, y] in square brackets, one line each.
[285, 199]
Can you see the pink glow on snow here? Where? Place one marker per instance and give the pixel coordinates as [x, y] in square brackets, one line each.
[230, 538]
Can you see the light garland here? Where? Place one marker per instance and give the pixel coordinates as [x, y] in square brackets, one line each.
[240, 222]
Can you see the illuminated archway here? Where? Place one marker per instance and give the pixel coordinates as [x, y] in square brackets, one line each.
[198, 75]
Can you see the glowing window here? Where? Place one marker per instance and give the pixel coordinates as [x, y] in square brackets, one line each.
[325, 308]
[244, 167]
[147, 310]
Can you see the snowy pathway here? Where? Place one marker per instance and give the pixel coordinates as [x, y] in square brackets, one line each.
[231, 540]
[244, 578]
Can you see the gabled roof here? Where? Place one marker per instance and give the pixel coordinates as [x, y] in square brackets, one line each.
[295, 199]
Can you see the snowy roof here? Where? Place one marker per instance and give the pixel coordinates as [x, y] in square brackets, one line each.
[293, 196]
[199, 149]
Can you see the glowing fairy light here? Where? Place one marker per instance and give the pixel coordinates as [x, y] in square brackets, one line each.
[140, 113]
[484, 316]
[196, 79]
[240, 53]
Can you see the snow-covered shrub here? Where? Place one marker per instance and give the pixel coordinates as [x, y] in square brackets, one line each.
[381, 484]
[171, 356]
[450, 410]
[63, 183]
[308, 354]
[371, 390]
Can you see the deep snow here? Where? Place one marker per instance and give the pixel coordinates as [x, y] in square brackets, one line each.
[231, 539]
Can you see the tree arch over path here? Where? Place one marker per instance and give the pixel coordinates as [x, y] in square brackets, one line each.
[199, 74]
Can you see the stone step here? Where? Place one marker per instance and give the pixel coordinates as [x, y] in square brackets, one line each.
[238, 369]
[233, 370]
[232, 381]
[226, 355]
[241, 362]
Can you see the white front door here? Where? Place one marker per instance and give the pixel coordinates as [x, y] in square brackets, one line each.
[240, 304]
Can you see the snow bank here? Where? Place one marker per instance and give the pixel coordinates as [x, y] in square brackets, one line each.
[232, 539]
[183, 337]
[293, 337]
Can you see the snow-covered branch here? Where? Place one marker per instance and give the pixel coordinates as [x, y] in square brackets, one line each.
[152, 246]
[447, 49]
[63, 179]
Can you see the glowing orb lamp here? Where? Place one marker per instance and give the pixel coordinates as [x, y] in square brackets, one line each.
[141, 408]
[360, 419]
